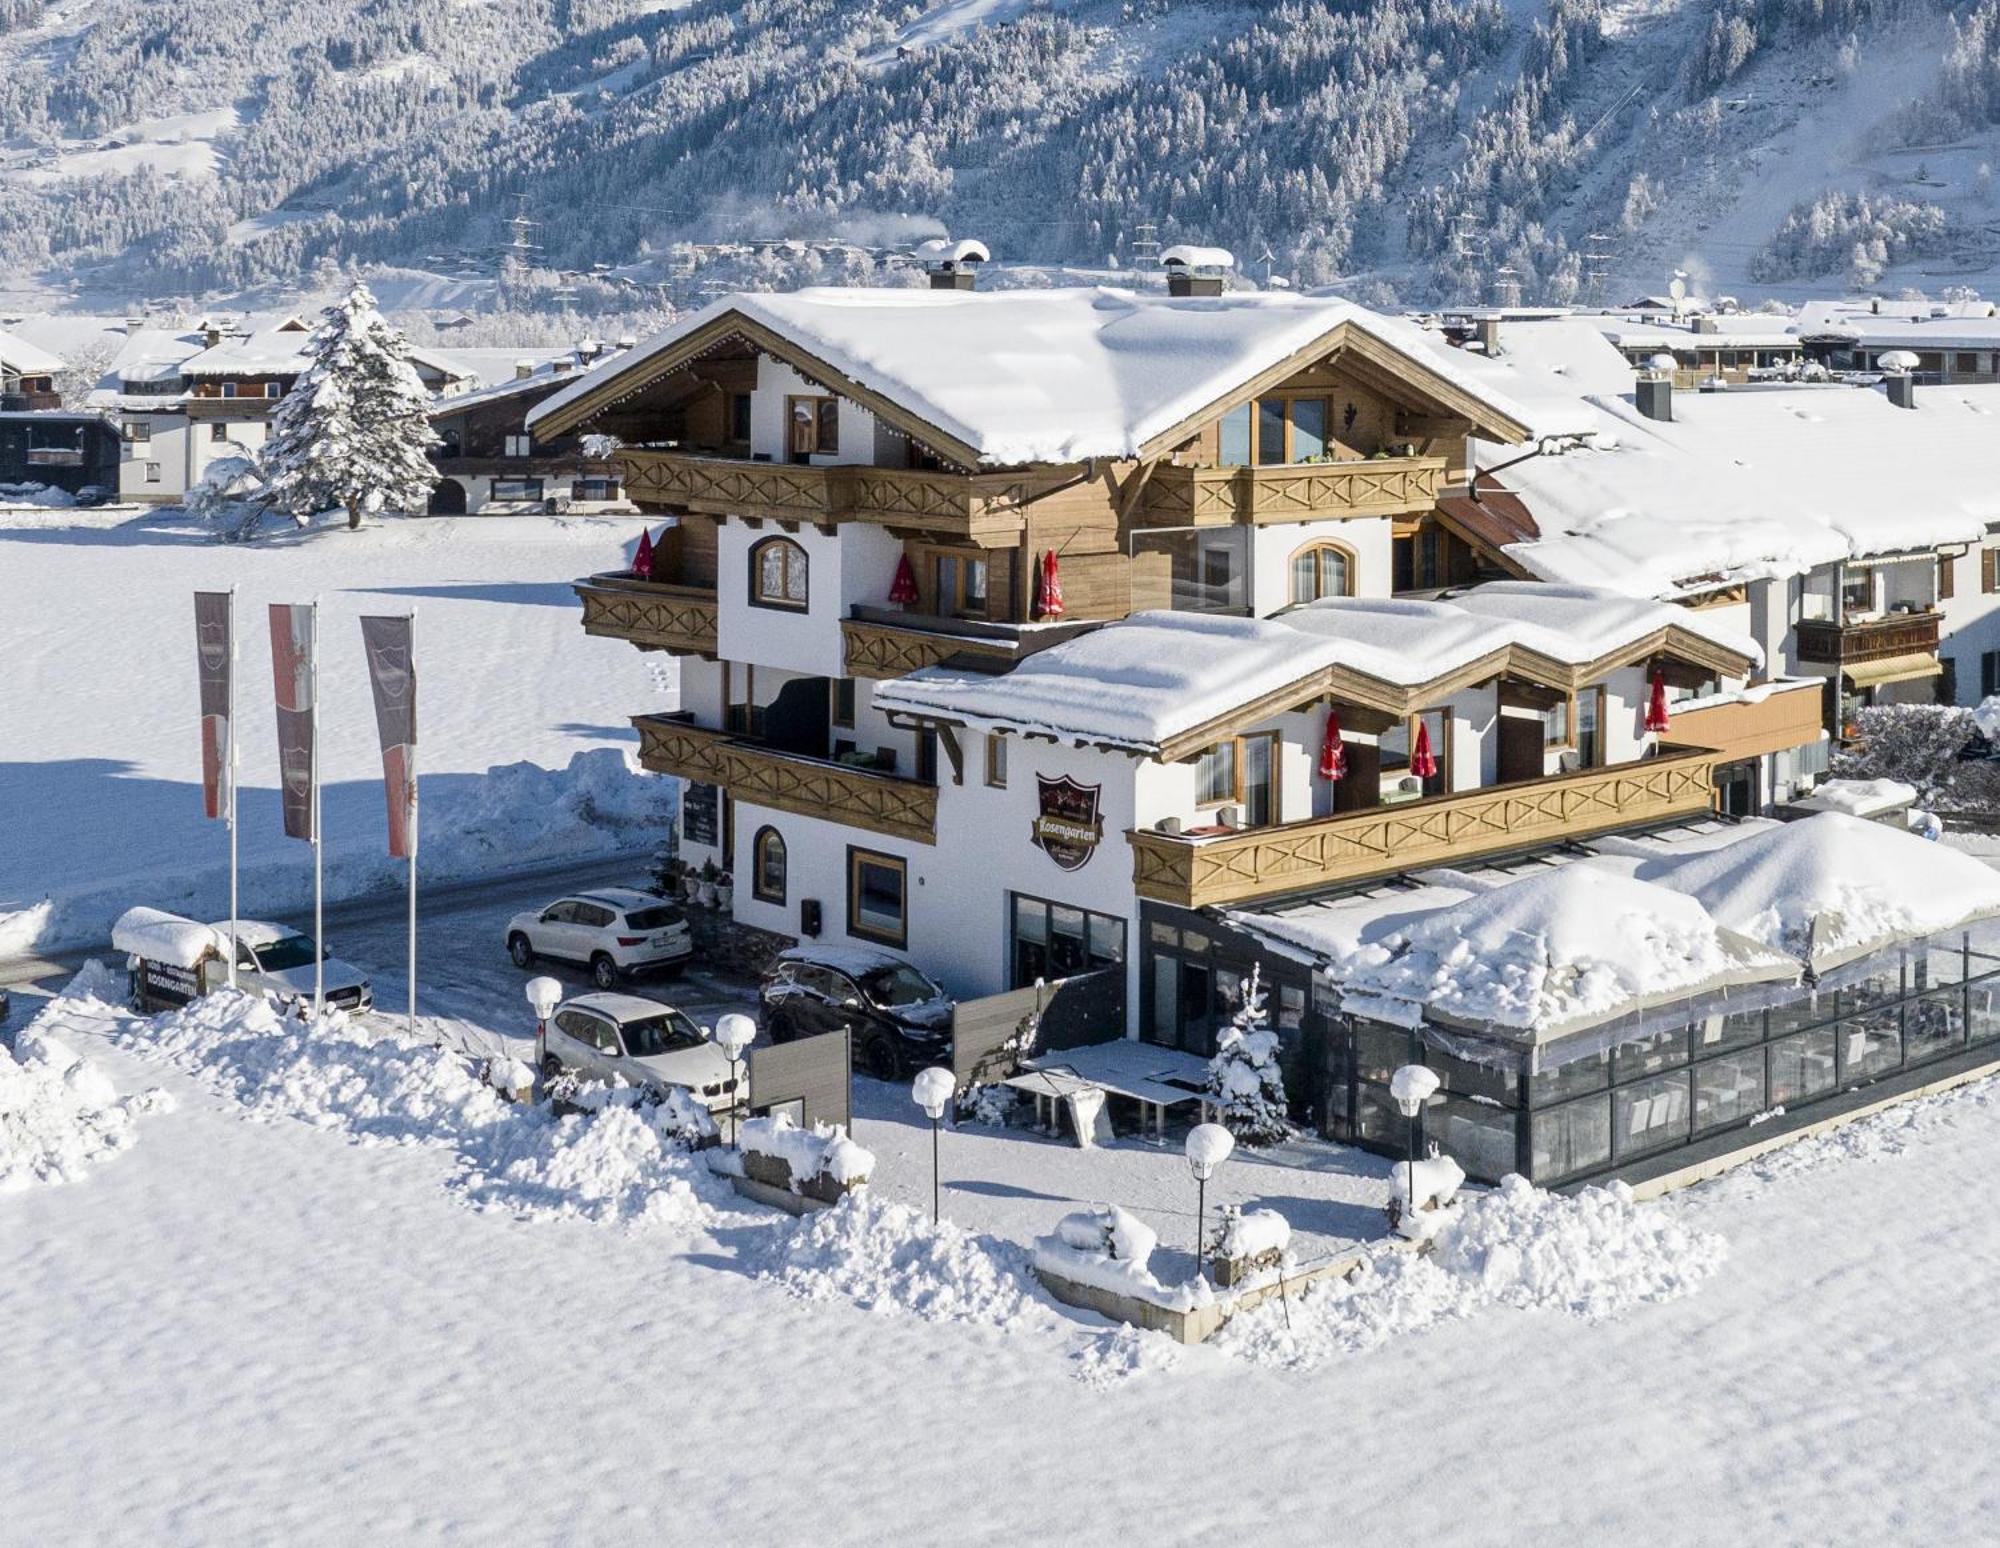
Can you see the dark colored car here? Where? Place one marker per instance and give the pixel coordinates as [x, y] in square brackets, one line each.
[900, 1020]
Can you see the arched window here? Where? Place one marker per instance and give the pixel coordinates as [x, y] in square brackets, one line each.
[778, 574]
[1322, 570]
[767, 880]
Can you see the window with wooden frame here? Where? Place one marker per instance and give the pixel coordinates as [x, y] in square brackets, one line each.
[1215, 774]
[767, 866]
[812, 426]
[1947, 577]
[1242, 770]
[1989, 570]
[1555, 724]
[958, 582]
[740, 713]
[1322, 570]
[877, 897]
[778, 575]
[996, 760]
[1589, 728]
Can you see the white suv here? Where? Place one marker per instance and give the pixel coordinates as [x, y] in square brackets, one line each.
[611, 931]
[625, 1040]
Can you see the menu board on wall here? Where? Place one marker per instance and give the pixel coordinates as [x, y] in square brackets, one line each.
[701, 821]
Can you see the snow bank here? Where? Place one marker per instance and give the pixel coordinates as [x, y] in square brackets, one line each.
[1859, 797]
[1595, 1255]
[1108, 1249]
[377, 1085]
[59, 1113]
[1254, 1233]
[821, 1151]
[890, 1258]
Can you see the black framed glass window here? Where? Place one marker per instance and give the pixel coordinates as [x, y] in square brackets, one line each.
[1056, 940]
[877, 897]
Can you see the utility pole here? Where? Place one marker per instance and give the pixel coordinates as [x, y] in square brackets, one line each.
[1507, 286]
[1468, 250]
[1145, 247]
[1596, 267]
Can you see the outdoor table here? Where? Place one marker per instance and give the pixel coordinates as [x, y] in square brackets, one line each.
[1155, 1078]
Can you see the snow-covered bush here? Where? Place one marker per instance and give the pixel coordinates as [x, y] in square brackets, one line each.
[354, 432]
[1924, 746]
[820, 1162]
[1244, 1081]
[1108, 1249]
[228, 500]
[1249, 1241]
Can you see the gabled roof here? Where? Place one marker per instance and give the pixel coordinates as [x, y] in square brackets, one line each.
[1014, 377]
[1169, 684]
[26, 359]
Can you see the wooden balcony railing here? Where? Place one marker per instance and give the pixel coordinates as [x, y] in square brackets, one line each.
[1306, 491]
[1844, 645]
[1290, 857]
[786, 782]
[1783, 715]
[972, 506]
[653, 615]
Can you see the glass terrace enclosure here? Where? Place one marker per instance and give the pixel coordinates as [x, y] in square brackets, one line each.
[1626, 1097]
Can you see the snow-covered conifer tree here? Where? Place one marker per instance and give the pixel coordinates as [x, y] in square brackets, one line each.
[1244, 1080]
[354, 431]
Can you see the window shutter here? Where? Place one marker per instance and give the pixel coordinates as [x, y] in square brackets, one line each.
[1947, 572]
[1989, 576]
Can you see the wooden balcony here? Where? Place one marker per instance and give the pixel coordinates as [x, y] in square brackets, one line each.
[1877, 639]
[653, 615]
[976, 507]
[1786, 715]
[1260, 863]
[786, 782]
[1178, 496]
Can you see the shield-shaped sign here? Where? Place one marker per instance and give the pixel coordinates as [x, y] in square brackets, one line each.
[1068, 827]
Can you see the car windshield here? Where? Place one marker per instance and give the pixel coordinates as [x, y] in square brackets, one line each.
[653, 918]
[898, 985]
[287, 951]
[664, 1034]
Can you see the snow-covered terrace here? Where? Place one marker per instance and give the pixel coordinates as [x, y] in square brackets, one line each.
[1144, 683]
[1572, 944]
[1760, 482]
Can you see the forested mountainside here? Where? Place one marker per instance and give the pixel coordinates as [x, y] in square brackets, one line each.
[1415, 148]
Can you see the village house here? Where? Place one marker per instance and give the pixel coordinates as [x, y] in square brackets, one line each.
[1954, 341]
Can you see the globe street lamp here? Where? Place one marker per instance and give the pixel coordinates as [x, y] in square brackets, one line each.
[544, 994]
[733, 1034]
[1412, 1086]
[1208, 1146]
[931, 1090]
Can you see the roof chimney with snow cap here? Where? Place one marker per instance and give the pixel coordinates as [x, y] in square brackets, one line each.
[1197, 271]
[523, 369]
[1901, 381]
[1654, 394]
[952, 265]
[1489, 335]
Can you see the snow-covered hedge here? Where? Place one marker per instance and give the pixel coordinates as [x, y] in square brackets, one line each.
[820, 1162]
[1108, 1249]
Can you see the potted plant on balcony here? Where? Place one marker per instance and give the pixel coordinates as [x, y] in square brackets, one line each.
[725, 892]
[706, 893]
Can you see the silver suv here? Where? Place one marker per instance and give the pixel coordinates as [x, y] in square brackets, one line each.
[627, 1040]
[611, 930]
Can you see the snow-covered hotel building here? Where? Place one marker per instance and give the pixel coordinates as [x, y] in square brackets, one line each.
[1299, 677]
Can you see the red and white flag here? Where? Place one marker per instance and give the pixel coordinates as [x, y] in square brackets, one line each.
[215, 658]
[392, 674]
[292, 671]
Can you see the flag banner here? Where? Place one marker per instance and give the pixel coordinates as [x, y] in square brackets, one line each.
[291, 670]
[392, 674]
[213, 657]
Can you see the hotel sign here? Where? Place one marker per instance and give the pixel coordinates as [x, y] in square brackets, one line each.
[1068, 826]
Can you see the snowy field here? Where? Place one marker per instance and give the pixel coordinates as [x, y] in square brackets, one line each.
[99, 752]
[329, 1289]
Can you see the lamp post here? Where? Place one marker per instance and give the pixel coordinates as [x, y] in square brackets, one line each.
[1412, 1086]
[544, 994]
[1208, 1146]
[733, 1034]
[931, 1090]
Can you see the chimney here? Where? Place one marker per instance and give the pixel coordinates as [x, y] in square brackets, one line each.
[134, 325]
[1489, 336]
[523, 369]
[952, 265]
[1901, 381]
[588, 349]
[1706, 324]
[1655, 391]
[1197, 271]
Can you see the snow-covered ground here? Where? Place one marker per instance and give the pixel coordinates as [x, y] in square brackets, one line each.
[339, 1292]
[523, 719]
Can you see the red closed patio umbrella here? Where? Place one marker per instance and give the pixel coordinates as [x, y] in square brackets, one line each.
[642, 561]
[1656, 704]
[1423, 763]
[903, 589]
[1052, 599]
[1332, 750]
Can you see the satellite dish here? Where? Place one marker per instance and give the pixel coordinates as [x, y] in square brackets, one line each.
[1678, 288]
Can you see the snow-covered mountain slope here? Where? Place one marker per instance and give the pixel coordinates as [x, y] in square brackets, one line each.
[1413, 148]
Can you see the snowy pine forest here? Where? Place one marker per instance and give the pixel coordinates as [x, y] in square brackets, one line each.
[1416, 149]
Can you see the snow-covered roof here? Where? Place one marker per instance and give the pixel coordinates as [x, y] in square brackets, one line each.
[1142, 681]
[1761, 482]
[945, 250]
[159, 936]
[493, 367]
[1915, 324]
[1183, 255]
[1734, 330]
[261, 347]
[24, 358]
[1054, 376]
[544, 376]
[1573, 940]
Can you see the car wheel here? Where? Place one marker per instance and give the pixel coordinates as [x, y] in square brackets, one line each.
[880, 1060]
[519, 949]
[603, 971]
[779, 1025]
[551, 1066]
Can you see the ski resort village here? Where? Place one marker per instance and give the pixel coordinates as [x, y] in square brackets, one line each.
[987, 906]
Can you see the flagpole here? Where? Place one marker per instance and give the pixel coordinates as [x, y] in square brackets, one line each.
[319, 875]
[233, 926]
[411, 820]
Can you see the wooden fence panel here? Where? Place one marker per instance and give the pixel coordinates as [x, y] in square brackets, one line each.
[813, 1071]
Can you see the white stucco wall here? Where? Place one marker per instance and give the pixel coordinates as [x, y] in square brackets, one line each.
[1369, 539]
[855, 564]
[776, 382]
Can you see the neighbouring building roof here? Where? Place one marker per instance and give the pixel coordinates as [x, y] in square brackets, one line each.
[1757, 482]
[1057, 376]
[545, 376]
[1902, 324]
[27, 359]
[254, 347]
[1148, 682]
